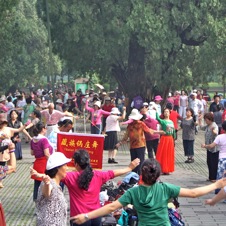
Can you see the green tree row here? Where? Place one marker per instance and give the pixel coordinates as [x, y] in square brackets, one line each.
[24, 49]
[146, 46]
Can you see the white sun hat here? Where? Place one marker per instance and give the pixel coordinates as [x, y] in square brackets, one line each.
[108, 99]
[56, 159]
[2, 98]
[135, 115]
[193, 94]
[59, 101]
[152, 105]
[97, 103]
[115, 111]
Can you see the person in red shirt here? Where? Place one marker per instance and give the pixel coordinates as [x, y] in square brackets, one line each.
[176, 103]
[198, 95]
[223, 119]
[106, 106]
[174, 116]
[170, 99]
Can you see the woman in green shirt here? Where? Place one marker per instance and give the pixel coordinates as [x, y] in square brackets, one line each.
[165, 151]
[150, 198]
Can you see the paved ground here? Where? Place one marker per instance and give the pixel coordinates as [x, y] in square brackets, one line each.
[16, 196]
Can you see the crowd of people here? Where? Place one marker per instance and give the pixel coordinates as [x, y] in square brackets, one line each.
[151, 127]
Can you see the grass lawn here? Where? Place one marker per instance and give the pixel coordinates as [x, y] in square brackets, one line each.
[214, 84]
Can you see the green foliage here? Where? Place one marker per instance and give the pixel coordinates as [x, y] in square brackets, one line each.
[23, 39]
[6, 6]
[182, 39]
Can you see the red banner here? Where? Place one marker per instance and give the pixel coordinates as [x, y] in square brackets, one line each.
[68, 143]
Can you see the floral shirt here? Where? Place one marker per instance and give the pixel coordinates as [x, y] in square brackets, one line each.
[135, 132]
[188, 127]
[3, 172]
[210, 136]
[52, 210]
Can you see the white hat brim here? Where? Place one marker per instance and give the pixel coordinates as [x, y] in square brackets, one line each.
[135, 117]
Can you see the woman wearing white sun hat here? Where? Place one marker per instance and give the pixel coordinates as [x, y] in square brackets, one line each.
[135, 132]
[51, 204]
[97, 113]
[112, 127]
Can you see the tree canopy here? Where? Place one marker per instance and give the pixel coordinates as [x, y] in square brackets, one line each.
[147, 46]
[169, 44]
[23, 38]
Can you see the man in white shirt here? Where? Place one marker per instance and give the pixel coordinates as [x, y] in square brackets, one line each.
[9, 104]
[197, 106]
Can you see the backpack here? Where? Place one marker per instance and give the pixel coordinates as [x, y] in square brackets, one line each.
[128, 218]
[124, 219]
[175, 218]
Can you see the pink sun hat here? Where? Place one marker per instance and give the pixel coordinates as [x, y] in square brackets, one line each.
[158, 98]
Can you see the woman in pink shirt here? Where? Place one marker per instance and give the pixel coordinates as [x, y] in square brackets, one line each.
[152, 140]
[84, 185]
[96, 116]
[176, 104]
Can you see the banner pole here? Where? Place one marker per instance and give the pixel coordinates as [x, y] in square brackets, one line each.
[84, 119]
[74, 124]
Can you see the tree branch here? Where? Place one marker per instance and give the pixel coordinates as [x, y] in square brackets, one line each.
[191, 41]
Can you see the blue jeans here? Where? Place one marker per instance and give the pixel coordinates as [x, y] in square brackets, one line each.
[220, 170]
[36, 186]
[18, 150]
[95, 129]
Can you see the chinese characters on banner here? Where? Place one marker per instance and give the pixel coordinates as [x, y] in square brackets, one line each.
[68, 143]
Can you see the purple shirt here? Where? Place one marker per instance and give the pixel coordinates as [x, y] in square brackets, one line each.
[38, 146]
[152, 124]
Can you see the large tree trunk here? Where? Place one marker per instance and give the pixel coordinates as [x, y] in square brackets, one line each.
[132, 79]
[136, 69]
